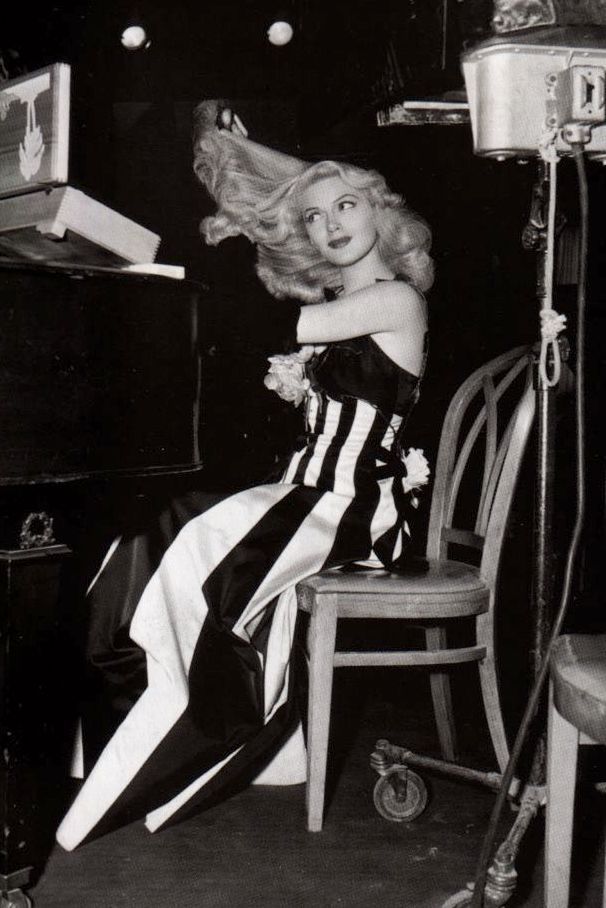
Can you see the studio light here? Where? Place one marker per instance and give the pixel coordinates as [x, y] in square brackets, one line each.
[135, 38]
[280, 32]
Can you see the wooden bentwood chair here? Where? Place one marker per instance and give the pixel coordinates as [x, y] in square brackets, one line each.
[481, 448]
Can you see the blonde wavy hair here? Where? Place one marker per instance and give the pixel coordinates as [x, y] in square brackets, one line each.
[257, 193]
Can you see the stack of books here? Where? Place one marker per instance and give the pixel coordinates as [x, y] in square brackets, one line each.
[43, 219]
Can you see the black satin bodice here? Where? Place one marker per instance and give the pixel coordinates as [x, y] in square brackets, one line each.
[360, 368]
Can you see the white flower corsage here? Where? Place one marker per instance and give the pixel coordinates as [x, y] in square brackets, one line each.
[417, 472]
[286, 375]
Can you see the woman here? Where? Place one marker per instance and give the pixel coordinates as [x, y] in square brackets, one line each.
[192, 621]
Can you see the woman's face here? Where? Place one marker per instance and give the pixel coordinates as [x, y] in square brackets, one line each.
[340, 221]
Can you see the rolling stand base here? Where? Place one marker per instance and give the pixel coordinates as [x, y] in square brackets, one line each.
[11, 894]
[401, 795]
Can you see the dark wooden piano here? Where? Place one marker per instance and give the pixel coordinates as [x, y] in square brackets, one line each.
[99, 378]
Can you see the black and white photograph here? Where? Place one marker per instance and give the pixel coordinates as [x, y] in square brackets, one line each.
[302, 460]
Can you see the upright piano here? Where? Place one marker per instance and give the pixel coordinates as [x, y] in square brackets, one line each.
[99, 378]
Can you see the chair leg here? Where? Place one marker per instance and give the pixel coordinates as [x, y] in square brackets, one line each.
[321, 644]
[562, 752]
[492, 708]
[435, 638]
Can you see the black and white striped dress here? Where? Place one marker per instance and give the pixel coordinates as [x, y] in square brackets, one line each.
[192, 621]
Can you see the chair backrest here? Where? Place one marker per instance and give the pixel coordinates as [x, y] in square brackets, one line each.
[483, 440]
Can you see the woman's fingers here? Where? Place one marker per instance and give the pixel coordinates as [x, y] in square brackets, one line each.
[226, 117]
[231, 121]
[238, 126]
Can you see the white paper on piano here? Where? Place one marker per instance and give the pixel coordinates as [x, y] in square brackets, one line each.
[177, 272]
[66, 225]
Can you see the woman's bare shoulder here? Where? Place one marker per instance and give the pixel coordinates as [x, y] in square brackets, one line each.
[404, 299]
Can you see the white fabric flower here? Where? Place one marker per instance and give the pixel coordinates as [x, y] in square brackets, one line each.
[417, 469]
[286, 375]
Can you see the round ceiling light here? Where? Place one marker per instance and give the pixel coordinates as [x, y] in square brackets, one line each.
[280, 33]
[134, 38]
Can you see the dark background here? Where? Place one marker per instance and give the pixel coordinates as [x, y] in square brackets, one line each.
[317, 97]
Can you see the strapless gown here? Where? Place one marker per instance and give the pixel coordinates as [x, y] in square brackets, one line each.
[191, 692]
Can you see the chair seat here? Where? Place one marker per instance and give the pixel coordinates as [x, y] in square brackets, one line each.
[578, 671]
[446, 589]
[441, 577]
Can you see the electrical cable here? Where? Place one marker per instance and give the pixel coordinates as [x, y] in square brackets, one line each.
[535, 693]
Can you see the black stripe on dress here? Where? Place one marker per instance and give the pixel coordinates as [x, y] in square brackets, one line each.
[353, 539]
[385, 545]
[246, 765]
[326, 479]
[232, 584]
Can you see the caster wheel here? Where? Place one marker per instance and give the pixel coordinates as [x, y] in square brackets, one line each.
[15, 899]
[400, 810]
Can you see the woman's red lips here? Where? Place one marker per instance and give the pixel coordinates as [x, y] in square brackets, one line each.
[340, 242]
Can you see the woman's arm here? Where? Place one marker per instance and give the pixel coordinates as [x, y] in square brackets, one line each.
[390, 306]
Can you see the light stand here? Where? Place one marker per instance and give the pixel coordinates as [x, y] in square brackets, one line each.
[483, 894]
[501, 876]
[527, 98]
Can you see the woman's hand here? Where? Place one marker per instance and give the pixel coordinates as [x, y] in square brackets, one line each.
[231, 121]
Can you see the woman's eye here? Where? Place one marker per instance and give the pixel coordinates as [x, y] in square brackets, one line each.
[311, 217]
[345, 204]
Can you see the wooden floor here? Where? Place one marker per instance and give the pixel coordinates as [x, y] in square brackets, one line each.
[254, 850]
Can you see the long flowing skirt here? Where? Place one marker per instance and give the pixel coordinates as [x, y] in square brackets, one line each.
[190, 640]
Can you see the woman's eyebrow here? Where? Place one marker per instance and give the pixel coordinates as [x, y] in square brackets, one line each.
[346, 195]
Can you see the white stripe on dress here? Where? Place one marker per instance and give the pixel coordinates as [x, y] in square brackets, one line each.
[351, 449]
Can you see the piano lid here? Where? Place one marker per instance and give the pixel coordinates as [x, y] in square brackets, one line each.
[99, 373]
